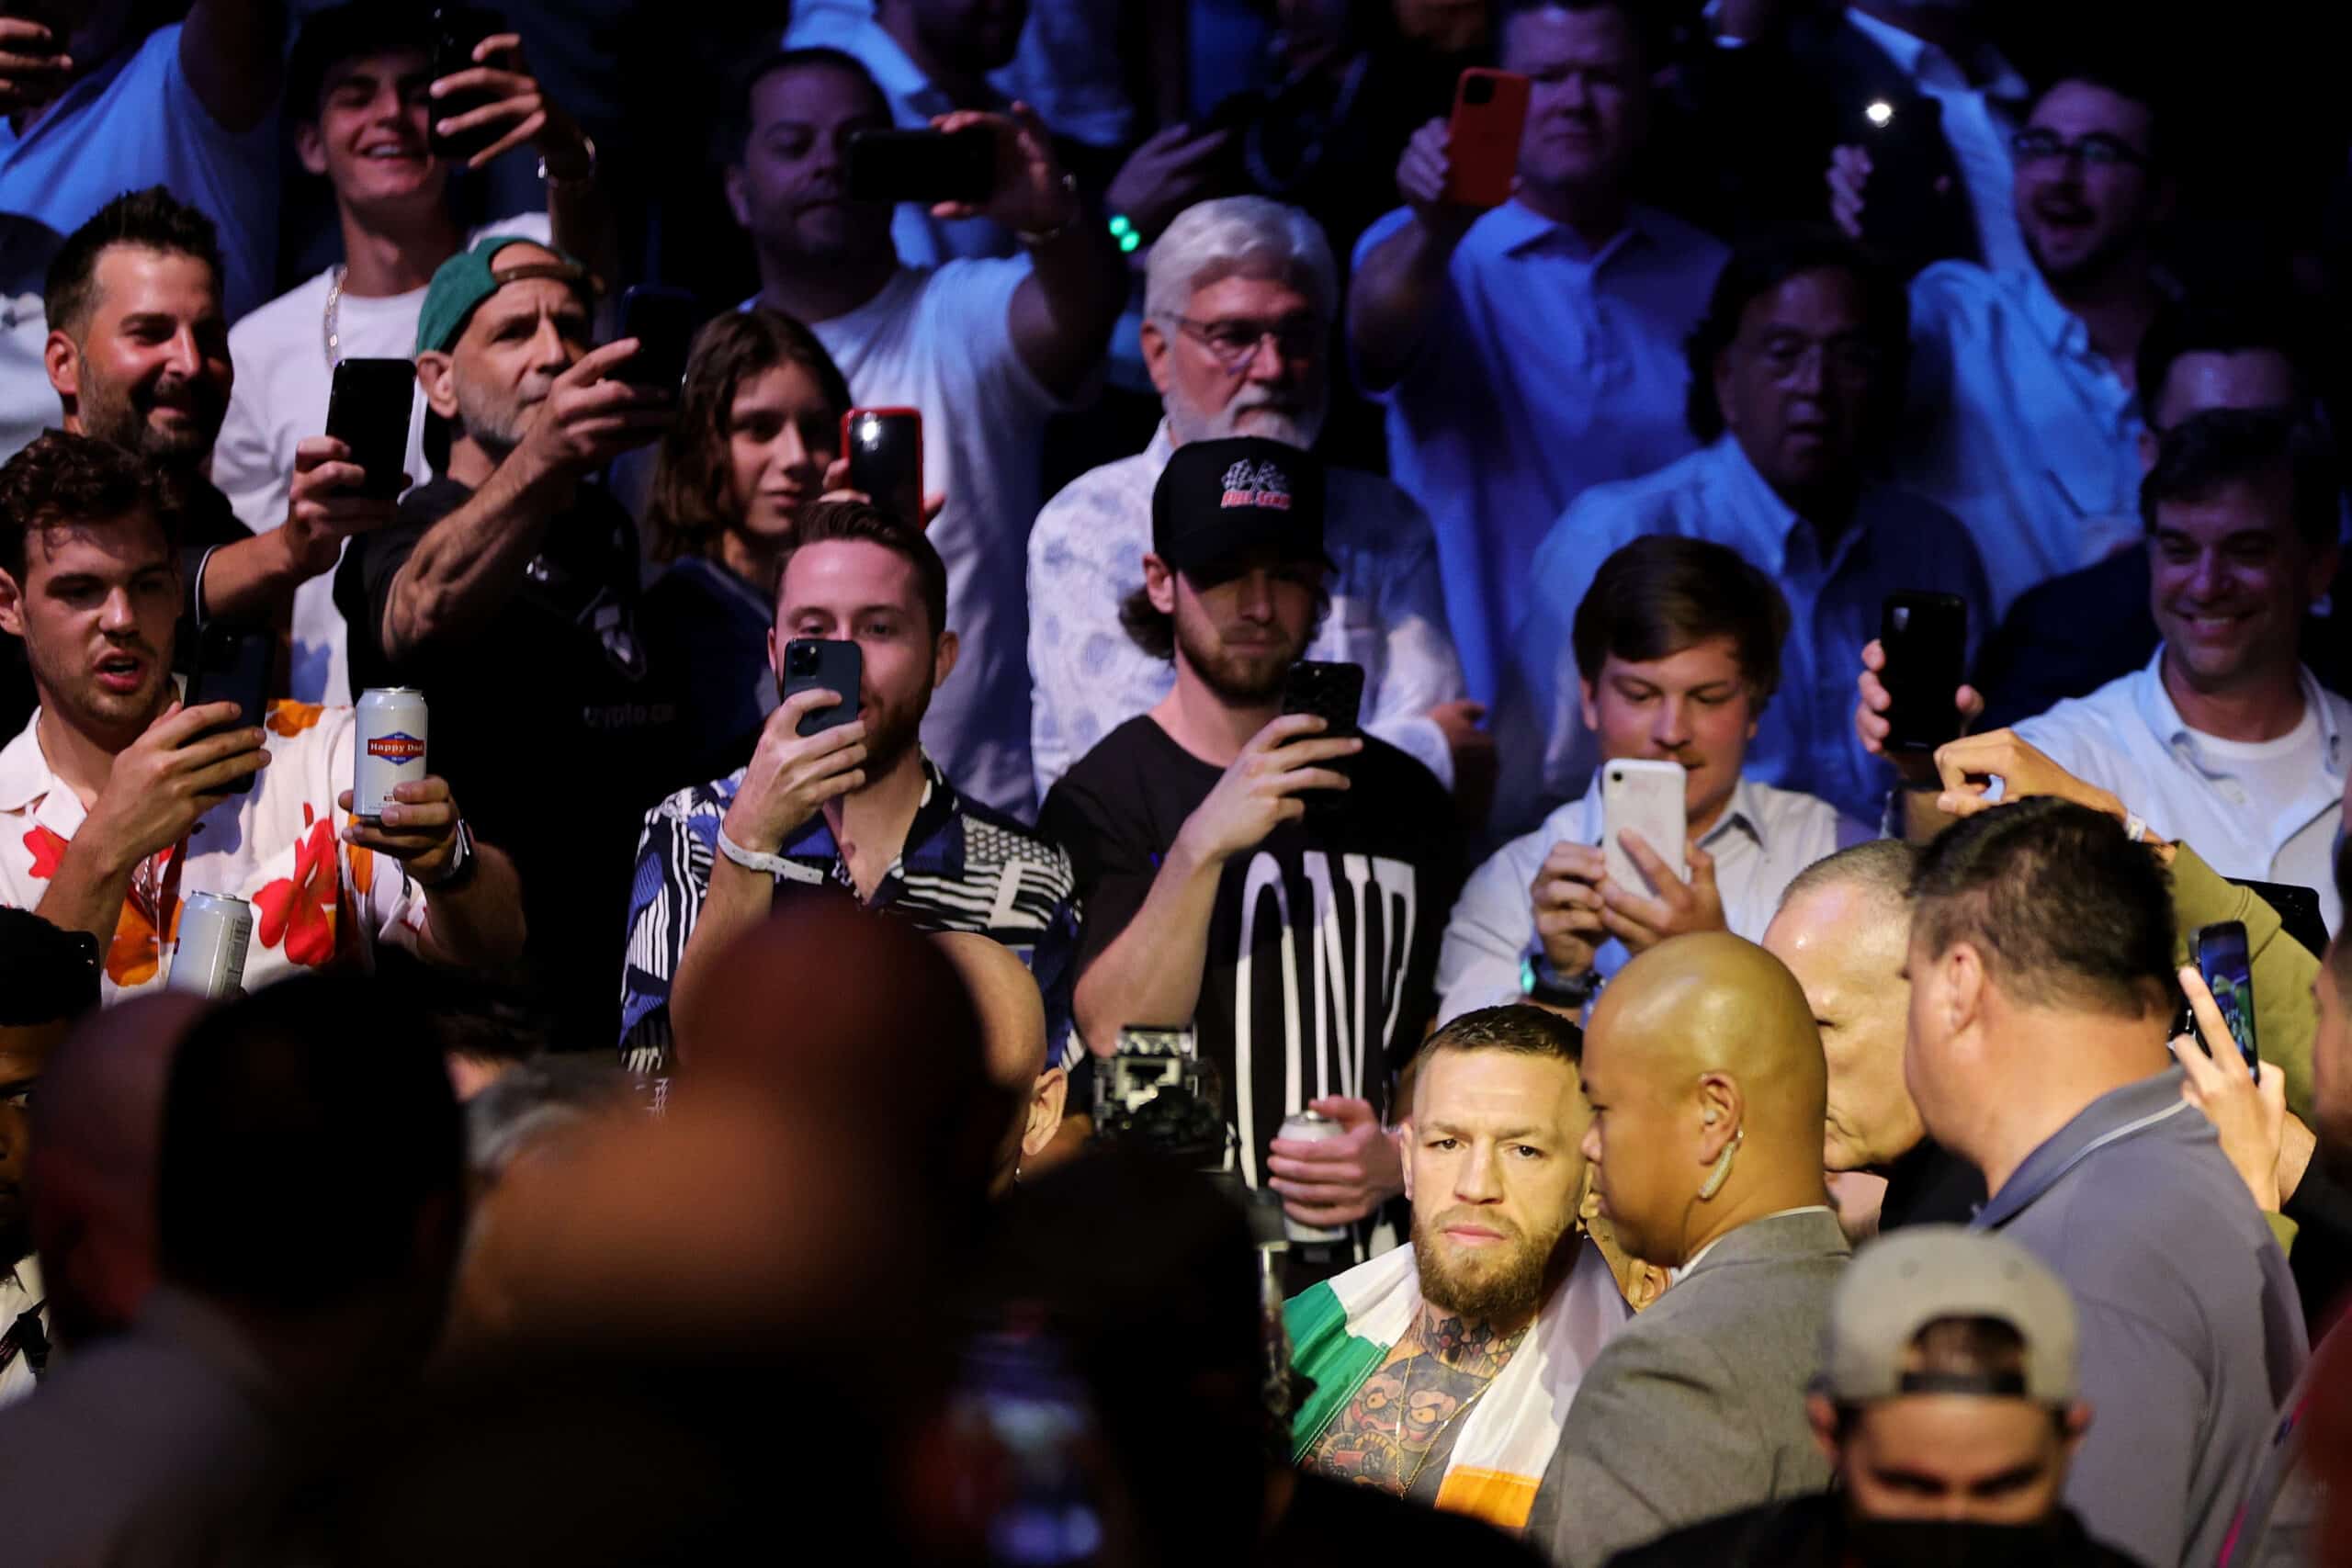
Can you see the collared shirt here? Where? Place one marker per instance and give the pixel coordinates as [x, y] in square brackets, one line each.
[2191, 1335]
[1763, 839]
[20, 1292]
[1805, 738]
[940, 341]
[2129, 739]
[1547, 366]
[915, 101]
[314, 897]
[2018, 426]
[963, 868]
[104, 137]
[1086, 557]
[1977, 124]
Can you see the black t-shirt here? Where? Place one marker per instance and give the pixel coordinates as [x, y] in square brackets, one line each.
[1322, 951]
[549, 724]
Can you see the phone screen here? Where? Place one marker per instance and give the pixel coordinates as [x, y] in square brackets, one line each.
[1924, 639]
[2223, 960]
[885, 451]
[369, 410]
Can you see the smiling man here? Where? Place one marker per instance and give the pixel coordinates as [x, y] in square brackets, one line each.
[1677, 650]
[1438, 1370]
[2225, 740]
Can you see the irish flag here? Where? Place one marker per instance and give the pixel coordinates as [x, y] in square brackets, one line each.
[1342, 1330]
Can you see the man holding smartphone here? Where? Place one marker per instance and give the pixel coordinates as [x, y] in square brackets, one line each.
[1677, 649]
[115, 803]
[857, 806]
[360, 98]
[1297, 939]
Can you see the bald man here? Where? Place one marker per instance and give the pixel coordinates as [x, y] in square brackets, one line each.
[1708, 1091]
[1012, 1032]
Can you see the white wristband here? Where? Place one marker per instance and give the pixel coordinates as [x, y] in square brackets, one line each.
[776, 865]
[2135, 827]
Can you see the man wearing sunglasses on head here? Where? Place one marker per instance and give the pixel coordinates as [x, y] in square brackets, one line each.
[2024, 424]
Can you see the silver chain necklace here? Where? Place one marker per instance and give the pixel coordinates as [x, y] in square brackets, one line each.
[331, 325]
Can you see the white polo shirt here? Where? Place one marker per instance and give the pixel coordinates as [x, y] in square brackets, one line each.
[2129, 739]
[1763, 839]
[315, 898]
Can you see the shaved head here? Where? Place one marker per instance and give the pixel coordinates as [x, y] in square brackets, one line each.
[1013, 1033]
[98, 1125]
[1708, 1088]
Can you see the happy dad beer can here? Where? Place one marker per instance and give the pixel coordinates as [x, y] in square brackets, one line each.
[389, 743]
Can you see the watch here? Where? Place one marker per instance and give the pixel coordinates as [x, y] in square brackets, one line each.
[1540, 982]
[463, 864]
[588, 144]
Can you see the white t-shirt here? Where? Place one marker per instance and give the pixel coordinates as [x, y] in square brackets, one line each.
[283, 383]
[2273, 773]
[940, 340]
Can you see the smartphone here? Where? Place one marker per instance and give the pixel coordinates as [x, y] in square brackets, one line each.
[885, 451]
[1925, 638]
[1334, 693]
[923, 166]
[2228, 969]
[822, 663]
[458, 30]
[664, 321]
[1482, 139]
[233, 665]
[1901, 206]
[1646, 796]
[369, 410]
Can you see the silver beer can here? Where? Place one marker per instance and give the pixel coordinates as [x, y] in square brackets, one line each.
[210, 958]
[1310, 1127]
[387, 747]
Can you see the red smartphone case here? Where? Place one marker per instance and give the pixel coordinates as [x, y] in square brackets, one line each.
[1482, 139]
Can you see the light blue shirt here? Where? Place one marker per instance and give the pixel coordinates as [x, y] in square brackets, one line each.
[1764, 838]
[1977, 122]
[1548, 366]
[2127, 738]
[136, 122]
[2016, 427]
[1806, 738]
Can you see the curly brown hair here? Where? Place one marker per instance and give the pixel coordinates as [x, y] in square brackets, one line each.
[76, 478]
[688, 508]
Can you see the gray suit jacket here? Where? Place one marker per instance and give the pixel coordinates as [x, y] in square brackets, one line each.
[1697, 1406]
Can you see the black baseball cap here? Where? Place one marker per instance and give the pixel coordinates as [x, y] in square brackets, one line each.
[1217, 499]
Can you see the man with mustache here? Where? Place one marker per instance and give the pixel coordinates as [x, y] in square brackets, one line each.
[2024, 423]
[1237, 308]
[507, 589]
[138, 354]
[1437, 1369]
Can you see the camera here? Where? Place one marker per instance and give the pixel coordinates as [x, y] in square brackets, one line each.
[800, 658]
[1156, 1092]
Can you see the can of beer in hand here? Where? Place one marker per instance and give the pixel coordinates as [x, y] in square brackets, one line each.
[388, 746]
[1309, 1127]
[210, 958]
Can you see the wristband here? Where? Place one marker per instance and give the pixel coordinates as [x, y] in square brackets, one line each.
[774, 865]
[1125, 234]
[2135, 827]
[462, 865]
[1033, 239]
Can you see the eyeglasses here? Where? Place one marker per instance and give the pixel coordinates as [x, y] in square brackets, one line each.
[1233, 342]
[2097, 150]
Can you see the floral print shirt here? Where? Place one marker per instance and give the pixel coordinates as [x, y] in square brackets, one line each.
[315, 898]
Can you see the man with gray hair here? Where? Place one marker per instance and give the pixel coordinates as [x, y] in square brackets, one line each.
[1238, 304]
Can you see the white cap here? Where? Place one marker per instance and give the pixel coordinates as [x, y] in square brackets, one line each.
[1911, 1278]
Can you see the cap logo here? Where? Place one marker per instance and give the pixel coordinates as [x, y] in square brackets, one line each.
[1255, 484]
[397, 747]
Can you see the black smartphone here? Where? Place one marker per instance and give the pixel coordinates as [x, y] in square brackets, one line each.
[233, 665]
[813, 663]
[1925, 638]
[885, 451]
[1902, 208]
[458, 30]
[664, 321]
[1334, 693]
[369, 410]
[2298, 908]
[923, 166]
[2228, 969]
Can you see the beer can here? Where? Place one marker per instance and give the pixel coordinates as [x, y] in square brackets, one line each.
[388, 746]
[1310, 1127]
[210, 958]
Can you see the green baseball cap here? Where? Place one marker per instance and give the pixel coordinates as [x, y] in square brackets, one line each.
[461, 285]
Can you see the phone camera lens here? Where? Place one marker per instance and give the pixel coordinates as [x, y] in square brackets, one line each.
[803, 661]
[1478, 90]
[1616, 776]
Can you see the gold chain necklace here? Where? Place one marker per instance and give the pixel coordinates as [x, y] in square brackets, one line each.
[1405, 1410]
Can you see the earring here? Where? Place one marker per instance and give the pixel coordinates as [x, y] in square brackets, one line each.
[1722, 1171]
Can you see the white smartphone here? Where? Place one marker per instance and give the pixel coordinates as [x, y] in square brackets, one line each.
[1646, 796]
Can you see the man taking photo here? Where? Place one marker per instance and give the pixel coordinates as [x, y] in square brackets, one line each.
[1246, 871]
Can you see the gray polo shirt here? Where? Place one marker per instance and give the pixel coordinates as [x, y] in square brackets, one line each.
[2191, 1335]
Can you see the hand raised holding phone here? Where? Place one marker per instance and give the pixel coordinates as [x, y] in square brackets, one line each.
[591, 414]
[487, 103]
[1261, 789]
[792, 776]
[34, 67]
[180, 768]
[1031, 192]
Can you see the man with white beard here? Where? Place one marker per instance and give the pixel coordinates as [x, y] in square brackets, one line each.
[1238, 304]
